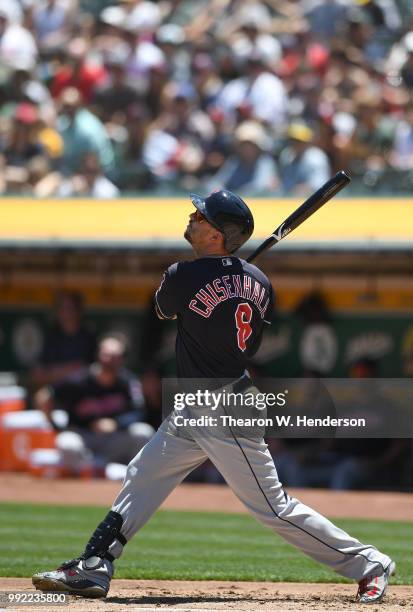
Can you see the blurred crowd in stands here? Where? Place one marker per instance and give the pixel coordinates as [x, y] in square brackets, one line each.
[99, 97]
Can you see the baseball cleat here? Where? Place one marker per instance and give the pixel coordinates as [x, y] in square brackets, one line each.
[372, 588]
[84, 577]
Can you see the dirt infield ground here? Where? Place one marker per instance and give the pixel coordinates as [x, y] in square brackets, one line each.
[136, 595]
[219, 498]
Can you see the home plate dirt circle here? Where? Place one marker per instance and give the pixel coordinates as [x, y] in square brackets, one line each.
[134, 595]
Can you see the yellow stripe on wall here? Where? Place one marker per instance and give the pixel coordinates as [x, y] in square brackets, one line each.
[148, 218]
[386, 295]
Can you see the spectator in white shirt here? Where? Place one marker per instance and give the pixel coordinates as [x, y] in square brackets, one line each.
[18, 48]
[259, 95]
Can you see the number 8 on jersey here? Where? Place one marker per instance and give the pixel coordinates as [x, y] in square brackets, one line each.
[243, 316]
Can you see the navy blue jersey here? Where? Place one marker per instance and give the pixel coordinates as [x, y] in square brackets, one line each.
[221, 304]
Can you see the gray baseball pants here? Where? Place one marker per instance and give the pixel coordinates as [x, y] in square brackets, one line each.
[249, 470]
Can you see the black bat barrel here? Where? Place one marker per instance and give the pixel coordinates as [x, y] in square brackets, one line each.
[307, 208]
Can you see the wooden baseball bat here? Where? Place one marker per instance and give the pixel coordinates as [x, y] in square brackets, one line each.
[307, 208]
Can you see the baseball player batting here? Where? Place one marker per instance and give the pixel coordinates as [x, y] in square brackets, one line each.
[221, 304]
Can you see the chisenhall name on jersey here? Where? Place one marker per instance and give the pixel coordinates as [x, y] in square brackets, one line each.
[226, 288]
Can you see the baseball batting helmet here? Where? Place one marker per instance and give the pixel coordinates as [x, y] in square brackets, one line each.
[229, 214]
